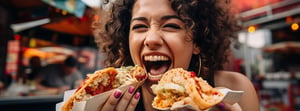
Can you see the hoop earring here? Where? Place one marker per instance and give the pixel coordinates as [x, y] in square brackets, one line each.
[199, 68]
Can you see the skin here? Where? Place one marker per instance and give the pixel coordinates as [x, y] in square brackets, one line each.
[156, 30]
[237, 81]
[159, 33]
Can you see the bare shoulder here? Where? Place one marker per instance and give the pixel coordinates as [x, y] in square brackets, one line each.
[232, 80]
[238, 81]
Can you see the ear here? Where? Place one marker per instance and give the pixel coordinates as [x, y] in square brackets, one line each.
[196, 49]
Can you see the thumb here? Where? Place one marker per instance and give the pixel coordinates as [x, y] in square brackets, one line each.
[223, 106]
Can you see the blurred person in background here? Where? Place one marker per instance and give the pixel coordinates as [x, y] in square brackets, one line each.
[57, 78]
[1, 85]
[5, 81]
[35, 64]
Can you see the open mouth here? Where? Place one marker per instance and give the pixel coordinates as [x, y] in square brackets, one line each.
[156, 65]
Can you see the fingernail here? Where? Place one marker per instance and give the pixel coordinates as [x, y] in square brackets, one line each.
[131, 89]
[221, 105]
[137, 95]
[117, 94]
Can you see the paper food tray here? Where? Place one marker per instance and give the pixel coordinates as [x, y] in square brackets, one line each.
[230, 97]
[93, 103]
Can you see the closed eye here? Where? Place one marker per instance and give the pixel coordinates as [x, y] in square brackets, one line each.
[171, 25]
[139, 27]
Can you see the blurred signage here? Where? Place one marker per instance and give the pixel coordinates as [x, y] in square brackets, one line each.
[245, 5]
[13, 49]
[76, 7]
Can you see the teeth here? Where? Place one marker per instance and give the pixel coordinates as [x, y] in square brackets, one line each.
[156, 58]
[154, 76]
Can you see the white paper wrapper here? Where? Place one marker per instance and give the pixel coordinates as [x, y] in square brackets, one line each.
[230, 97]
[93, 103]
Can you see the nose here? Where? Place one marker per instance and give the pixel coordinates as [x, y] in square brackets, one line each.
[153, 39]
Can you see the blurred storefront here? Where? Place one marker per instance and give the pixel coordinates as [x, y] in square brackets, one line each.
[50, 30]
[270, 51]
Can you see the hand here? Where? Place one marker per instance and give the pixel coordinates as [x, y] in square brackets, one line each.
[183, 109]
[122, 101]
[226, 107]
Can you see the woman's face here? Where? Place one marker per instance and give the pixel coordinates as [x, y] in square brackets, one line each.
[158, 38]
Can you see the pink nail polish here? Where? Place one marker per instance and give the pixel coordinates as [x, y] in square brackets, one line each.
[221, 105]
[117, 94]
[137, 95]
[131, 89]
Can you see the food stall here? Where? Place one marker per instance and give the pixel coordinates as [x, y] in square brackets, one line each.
[51, 32]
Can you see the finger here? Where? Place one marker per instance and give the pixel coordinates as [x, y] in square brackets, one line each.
[237, 107]
[125, 99]
[112, 101]
[219, 107]
[226, 107]
[134, 102]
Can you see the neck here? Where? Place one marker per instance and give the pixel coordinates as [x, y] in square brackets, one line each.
[147, 98]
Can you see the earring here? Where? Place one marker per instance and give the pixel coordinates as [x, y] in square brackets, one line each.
[206, 31]
[199, 68]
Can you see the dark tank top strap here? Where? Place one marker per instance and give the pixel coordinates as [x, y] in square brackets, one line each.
[140, 105]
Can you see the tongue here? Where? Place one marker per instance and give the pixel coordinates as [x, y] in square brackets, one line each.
[158, 70]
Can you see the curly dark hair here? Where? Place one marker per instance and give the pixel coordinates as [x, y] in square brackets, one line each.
[211, 23]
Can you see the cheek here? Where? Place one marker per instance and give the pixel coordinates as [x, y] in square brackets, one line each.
[182, 53]
[135, 44]
[183, 61]
[178, 43]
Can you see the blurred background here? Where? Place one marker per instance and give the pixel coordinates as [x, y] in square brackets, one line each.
[269, 51]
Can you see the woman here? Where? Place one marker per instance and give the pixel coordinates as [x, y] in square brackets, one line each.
[163, 34]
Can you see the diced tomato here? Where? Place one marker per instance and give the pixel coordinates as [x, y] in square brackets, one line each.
[98, 91]
[112, 77]
[140, 77]
[88, 90]
[193, 74]
[216, 93]
[107, 88]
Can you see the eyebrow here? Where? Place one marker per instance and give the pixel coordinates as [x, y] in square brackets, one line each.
[162, 18]
[139, 18]
[170, 17]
